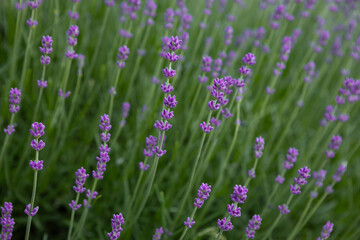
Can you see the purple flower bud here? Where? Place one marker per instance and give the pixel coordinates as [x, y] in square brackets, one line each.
[80, 180]
[253, 225]
[225, 225]
[31, 212]
[279, 179]
[170, 101]
[234, 210]
[206, 127]
[283, 209]
[259, 147]
[74, 206]
[326, 231]
[239, 194]
[339, 172]
[116, 224]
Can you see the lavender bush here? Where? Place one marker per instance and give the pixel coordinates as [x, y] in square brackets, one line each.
[256, 99]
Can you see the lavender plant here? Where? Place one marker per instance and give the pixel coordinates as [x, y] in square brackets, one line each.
[300, 94]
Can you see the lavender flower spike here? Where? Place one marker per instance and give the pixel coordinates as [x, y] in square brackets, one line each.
[253, 225]
[116, 223]
[259, 147]
[202, 195]
[80, 180]
[6, 221]
[327, 229]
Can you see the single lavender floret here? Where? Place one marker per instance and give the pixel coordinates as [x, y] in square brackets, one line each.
[116, 224]
[30, 212]
[253, 225]
[326, 231]
[189, 222]
[279, 179]
[284, 209]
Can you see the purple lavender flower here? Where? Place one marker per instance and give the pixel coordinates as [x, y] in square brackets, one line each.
[234, 210]
[279, 179]
[284, 209]
[42, 83]
[291, 158]
[253, 225]
[206, 127]
[225, 225]
[158, 233]
[80, 180]
[166, 87]
[303, 174]
[116, 223]
[333, 146]
[202, 195]
[228, 35]
[74, 206]
[339, 172]
[125, 110]
[170, 101]
[249, 59]
[319, 177]
[30, 212]
[122, 56]
[251, 173]
[169, 73]
[72, 33]
[239, 194]
[104, 157]
[10, 129]
[62, 94]
[206, 61]
[31, 22]
[168, 18]
[150, 146]
[46, 49]
[6, 221]
[259, 147]
[14, 100]
[326, 231]
[143, 166]
[189, 222]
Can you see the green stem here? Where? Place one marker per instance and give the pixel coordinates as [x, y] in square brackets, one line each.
[300, 221]
[136, 189]
[268, 233]
[6, 141]
[190, 184]
[186, 228]
[27, 51]
[113, 95]
[72, 217]
[28, 225]
[272, 193]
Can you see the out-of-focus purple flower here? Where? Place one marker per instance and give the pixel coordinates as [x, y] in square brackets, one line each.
[109, 3]
[251, 173]
[339, 172]
[279, 179]
[284, 209]
[326, 231]
[42, 83]
[206, 127]
[123, 53]
[116, 224]
[62, 94]
[253, 225]
[143, 166]
[74, 206]
[189, 222]
[259, 147]
[291, 158]
[168, 18]
[73, 15]
[319, 177]
[125, 110]
[249, 59]
[14, 100]
[228, 35]
[158, 233]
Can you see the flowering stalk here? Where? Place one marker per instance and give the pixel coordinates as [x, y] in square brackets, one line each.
[122, 57]
[329, 189]
[36, 131]
[163, 125]
[81, 177]
[202, 194]
[103, 159]
[304, 173]
[32, 23]
[116, 223]
[14, 102]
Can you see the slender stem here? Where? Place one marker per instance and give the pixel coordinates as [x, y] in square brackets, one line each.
[192, 176]
[40, 95]
[268, 233]
[282, 174]
[186, 228]
[152, 177]
[113, 95]
[27, 51]
[254, 169]
[72, 217]
[300, 221]
[28, 225]
[136, 189]
[6, 141]
[74, 100]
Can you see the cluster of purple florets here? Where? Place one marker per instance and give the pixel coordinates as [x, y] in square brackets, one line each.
[116, 224]
[72, 33]
[123, 53]
[333, 146]
[37, 130]
[6, 221]
[253, 225]
[104, 157]
[14, 102]
[238, 196]
[303, 174]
